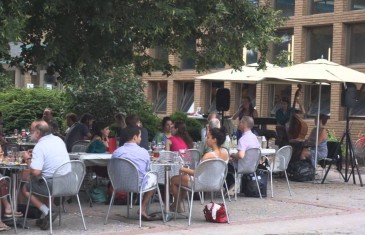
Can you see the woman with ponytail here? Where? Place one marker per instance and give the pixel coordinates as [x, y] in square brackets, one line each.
[180, 138]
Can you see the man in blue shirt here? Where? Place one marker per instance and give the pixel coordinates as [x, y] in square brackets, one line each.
[141, 159]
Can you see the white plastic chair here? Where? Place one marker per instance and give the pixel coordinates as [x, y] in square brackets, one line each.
[124, 177]
[248, 165]
[66, 181]
[280, 163]
[209, 176]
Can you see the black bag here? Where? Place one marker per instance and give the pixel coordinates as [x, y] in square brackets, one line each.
[249, 186]
[301, 171]
[33, 212]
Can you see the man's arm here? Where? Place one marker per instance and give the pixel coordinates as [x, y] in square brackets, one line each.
[239, 155]
[28, 160]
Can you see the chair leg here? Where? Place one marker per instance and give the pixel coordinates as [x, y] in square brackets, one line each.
[26, 210]
[82, 214]
[325, 175]
[50, 215]
[12, 206]
[225, 184]
[128, 201]
[131, 205]
[59, 212]
[110, 205]
[272, 187]
[191, 206]
[235, 188]
[258, 186]
[225, 206]
[287, 181]
[140, 209]
[201, 195]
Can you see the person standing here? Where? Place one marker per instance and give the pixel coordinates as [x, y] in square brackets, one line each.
[204, 130]
[71, 119]
[48, 117]
[47, 156]
[246, 109]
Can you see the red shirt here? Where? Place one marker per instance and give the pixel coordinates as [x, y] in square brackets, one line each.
[177, 143]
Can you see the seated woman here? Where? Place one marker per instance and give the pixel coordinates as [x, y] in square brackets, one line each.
[215, 140]
[99, 144]
[161, 137]
[180, 139]
[322, 142]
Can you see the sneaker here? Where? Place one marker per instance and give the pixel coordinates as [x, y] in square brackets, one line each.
[45, 224]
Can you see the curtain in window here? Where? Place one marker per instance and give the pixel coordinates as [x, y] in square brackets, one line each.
[160, 100]
[325, 100]
[187, 99]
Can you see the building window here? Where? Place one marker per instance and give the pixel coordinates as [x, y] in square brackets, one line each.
[284, 46]
[210, 98]
[321, 6]
[357, 46]
[187, 62]
[159, 96]
[286, 6]
[276, 92]
[161, 53]
[319, 42]
[244, 90]
[251, 56]
[358, 110]
[311, 100]
[185, 97]
[357, 4]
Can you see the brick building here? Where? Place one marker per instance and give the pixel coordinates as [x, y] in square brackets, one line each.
[333, 30]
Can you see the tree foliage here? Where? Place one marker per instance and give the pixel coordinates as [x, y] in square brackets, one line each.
[108, 33]
[21, 106]
[107, 92]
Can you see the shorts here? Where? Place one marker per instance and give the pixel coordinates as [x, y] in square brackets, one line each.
[39, 186]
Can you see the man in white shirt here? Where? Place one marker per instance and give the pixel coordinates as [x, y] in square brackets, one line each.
[48, 154]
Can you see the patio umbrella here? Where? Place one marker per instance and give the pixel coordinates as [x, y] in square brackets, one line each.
[249, 74]
[319, 71]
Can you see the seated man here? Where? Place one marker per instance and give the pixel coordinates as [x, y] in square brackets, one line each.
[248, 140]
[48, 154]
[140, 157]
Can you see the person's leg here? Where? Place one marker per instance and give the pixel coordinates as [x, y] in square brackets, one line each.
[175, 182]
[145, 201]
[8, 210]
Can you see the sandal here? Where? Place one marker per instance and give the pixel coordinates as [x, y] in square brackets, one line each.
[4, 227]
[10, 214]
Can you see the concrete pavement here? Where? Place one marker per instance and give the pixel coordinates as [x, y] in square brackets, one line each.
[335, 207]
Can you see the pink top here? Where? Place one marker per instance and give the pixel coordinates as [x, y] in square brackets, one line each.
[177, 143]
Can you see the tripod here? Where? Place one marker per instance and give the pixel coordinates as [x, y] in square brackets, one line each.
[349, 153]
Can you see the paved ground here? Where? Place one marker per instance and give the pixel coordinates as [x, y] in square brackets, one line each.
[335, 207]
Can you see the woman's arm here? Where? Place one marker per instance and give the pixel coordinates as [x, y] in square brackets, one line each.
[236, 114]
[187, 171]
[322, 136]
[168, 145]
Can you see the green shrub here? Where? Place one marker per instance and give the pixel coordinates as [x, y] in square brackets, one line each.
[21, 106]
[193, 125]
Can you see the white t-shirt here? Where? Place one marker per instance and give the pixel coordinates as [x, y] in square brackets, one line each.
[48, 154]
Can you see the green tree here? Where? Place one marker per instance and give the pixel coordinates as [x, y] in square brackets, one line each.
[107, 33]
[21, 106]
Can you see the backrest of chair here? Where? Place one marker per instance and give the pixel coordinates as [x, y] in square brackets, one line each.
[80, 146]
[68, 178]
[192, 156]
[282, 158]
[209, 175]
[166, 156]
[250, 162]
[123, 175]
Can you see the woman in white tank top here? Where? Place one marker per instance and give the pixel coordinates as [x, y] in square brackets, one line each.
[215, 139]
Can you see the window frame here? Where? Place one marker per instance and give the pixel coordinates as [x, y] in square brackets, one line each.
[349, 35]
[156, 96]
[309, 33]
[182, 87]
[309, 102]
[311, 7]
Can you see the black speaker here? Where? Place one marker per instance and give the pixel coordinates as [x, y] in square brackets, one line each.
[348, 96]
[223, 99]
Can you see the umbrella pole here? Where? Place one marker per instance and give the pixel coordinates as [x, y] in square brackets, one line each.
[317, 131]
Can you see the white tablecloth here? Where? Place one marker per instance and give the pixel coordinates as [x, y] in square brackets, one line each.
[92, 159]
[264, 152]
